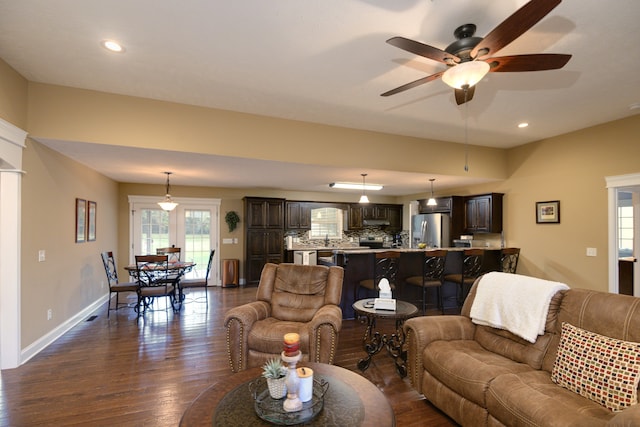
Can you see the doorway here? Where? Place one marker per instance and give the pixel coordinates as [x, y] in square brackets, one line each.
[624, 233]
[192, 226]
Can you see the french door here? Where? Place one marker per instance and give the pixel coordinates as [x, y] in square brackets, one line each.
[192, 226]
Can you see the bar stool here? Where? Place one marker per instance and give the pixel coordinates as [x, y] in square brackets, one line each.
[385, 265]
[509, 259]
[432, 276]
[472, 260]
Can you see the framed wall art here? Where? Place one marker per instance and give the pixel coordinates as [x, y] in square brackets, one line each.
[81, 220]
[92, 208]
[548, 212]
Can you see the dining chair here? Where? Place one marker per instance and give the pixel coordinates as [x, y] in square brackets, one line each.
[432, 277]
[509, 259]
[472, 260]
[115, 287]
[201, 282]
[173, 254]
[152, 272]
[385, 265]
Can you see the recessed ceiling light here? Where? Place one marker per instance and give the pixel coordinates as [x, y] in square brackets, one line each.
[523, 125]
[112, 46]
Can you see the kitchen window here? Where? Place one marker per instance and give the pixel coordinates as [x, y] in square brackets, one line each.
[326, 223]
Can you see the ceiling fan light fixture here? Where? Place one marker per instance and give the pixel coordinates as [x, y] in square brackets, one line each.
[465, 74]
[167, 203]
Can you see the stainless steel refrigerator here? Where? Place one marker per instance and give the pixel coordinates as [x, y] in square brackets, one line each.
[431, 229]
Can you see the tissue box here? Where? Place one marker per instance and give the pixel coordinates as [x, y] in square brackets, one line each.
[385, 294]
[384, 304]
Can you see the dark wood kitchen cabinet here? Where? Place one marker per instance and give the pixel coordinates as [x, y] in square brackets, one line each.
[376, 212]
[395, 218]
[483, 213]
[298, 215]
[264, 235]
[355, 217]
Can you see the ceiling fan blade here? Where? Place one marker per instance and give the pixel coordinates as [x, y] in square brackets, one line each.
[514, 26]
[413, 84]
[461, 98]
[534, 62]
[423, 50]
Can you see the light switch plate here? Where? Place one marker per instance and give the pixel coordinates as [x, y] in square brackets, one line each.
[41, 255]
[592, 252]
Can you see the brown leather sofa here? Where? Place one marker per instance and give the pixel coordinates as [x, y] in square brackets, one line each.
[482, 376]
[304, 299]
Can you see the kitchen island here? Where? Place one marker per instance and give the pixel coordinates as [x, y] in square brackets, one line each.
[358, 265]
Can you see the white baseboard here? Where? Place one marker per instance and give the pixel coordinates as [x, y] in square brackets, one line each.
[42, 343]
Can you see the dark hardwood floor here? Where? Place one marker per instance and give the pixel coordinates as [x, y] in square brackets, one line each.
[123, 372]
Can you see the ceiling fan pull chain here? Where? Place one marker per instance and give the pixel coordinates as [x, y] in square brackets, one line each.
[466, 131]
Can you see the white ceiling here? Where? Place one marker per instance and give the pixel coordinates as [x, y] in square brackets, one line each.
[325, 62]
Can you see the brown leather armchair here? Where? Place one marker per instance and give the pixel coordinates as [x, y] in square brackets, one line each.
[303, 299]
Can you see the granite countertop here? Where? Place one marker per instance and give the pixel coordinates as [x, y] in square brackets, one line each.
[368, 250]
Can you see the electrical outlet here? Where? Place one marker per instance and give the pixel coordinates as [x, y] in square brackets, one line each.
[49, 314]
[592, 252]
[41, 255]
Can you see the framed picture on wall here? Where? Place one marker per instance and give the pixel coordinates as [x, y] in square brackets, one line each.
[548, 212]
[81, 220]
[91, 221]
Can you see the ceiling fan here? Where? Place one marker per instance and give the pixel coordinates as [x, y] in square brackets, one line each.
[469, 58]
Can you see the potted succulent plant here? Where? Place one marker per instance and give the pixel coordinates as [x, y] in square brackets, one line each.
[275, 373]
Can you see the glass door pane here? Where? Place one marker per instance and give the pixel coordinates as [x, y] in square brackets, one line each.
[197, 239]
[154, 231]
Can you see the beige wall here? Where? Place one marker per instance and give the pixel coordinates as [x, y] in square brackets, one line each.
[72, 277]
[13, 96]
[80, 115]
[570, 168]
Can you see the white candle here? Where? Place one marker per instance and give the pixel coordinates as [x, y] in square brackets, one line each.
[305, 387]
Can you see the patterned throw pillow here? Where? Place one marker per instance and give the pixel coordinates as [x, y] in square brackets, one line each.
[603, 369]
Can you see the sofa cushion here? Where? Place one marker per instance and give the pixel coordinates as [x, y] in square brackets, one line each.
[511, 346]
[526, 398]
[466, 367]
[266, 335]
[603, 369]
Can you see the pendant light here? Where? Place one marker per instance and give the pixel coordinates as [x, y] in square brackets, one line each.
[167, 204]
[432, 200]
[363, 198]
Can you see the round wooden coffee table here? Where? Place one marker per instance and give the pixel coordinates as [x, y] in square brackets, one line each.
[350, 400]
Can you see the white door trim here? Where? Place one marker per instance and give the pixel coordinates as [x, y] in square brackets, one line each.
[615, 183]
[12, 143]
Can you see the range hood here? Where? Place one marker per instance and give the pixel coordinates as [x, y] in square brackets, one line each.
[375, 222]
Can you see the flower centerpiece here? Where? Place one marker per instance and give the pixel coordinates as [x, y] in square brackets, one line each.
[275, 373]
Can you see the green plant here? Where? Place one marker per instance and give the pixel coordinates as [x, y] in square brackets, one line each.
[232, 219]
[274, 369]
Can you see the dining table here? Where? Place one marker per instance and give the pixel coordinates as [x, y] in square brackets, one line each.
[176, 270]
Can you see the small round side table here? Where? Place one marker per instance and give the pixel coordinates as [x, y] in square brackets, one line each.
[373, 341]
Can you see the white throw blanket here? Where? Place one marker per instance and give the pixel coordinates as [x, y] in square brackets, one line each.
[514, 302]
